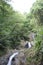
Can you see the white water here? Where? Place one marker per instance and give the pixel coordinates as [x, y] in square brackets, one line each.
[29, 44]
[11, 57]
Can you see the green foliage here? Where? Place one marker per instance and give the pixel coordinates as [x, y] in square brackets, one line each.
[14, 26]
[36, 20]
[11, 23]
[37, 11]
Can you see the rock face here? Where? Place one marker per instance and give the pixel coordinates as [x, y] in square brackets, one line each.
[3, 60]
[18, 60]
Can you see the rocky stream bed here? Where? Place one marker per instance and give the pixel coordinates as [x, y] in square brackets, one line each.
[17, 60]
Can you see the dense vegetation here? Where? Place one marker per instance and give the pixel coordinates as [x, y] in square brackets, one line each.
[36, 20]
[10, 25]
[14, 26]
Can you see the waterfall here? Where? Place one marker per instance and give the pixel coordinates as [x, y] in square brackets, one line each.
[29, 44]
[11, 57]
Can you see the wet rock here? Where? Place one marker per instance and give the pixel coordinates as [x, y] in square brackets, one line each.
[20, 59]
[17, 60]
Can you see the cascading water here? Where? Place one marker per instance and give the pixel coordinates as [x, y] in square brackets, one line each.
[29, 44]
[11, 57]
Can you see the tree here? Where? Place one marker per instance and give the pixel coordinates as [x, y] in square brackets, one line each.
[11, 23]
[37, 21]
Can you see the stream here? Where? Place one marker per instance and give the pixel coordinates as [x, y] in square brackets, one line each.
[16, 53]
[11, 57]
